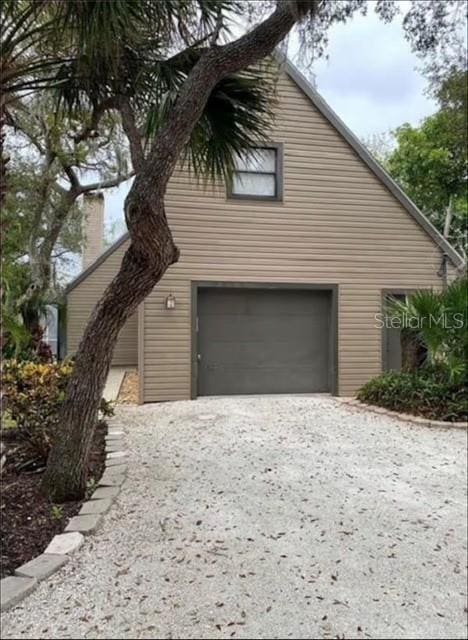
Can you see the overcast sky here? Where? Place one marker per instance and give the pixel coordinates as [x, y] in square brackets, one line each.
[370, 79]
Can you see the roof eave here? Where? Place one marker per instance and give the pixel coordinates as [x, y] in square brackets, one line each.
[94, 265]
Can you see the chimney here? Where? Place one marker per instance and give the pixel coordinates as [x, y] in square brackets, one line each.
[93, 227]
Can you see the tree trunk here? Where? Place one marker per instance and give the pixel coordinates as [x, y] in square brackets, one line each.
[65, 477]
[152, 249]
[413, 352]
[448, 219]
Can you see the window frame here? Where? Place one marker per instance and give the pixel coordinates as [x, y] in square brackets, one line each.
[278, 195]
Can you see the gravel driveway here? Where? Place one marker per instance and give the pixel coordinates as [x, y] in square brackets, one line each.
[269, 517]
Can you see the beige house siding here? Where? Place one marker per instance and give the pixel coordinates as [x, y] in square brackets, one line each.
[81, 301]
[337, 224]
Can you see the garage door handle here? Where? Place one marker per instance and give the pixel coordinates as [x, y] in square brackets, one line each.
[198, 357]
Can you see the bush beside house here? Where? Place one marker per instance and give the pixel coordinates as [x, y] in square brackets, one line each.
[32, 393]
[429, 392]
[439, 388]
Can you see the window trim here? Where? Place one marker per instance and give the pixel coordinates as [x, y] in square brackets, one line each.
[278, 196]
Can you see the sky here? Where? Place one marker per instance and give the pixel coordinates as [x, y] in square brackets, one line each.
[369, 78]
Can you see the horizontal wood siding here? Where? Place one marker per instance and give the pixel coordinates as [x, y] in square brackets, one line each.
[337, 224]
[81, 301]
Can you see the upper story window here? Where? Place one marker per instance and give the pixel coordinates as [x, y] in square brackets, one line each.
[258, 175]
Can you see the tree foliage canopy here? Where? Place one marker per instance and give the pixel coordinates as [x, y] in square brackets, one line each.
[430, 161]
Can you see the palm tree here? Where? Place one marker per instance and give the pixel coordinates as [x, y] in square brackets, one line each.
[24, 64]
[183, 94]
[438, 320]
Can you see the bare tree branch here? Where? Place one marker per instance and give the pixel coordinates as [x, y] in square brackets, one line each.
[98, 112]
[105, 184]
[72, 177]
[133, 134]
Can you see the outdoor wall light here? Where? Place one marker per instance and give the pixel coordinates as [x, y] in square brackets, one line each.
[170, 301]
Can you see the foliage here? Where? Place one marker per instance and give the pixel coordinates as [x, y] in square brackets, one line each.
[56, 511]
[429, 392]
[440, 321]
[52, 151]
[33, 394]
[91, 485]
[138, 53]
[41, 211]
[430, 161]
[15, 337]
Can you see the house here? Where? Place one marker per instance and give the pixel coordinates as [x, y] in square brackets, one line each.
[282, 275]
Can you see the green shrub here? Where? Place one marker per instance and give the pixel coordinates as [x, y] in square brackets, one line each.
[439, 321]
[431, 392]
[32, 396]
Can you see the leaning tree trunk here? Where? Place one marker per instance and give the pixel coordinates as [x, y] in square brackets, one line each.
[66, 474]
[152, 248]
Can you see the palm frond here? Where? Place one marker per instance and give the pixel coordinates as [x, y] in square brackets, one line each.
[439, 319]
[237, 117]
[422, 315]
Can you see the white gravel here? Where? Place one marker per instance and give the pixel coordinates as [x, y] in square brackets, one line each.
[269, 517]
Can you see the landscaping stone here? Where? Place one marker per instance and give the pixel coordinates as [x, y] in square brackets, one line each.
[95, 506]
[407, 417]
[42, 566]
[111, 480]
[105, 492]
[117, 454]
[115, 462]
[442, 423]
[84, 524]
[13, 589]
[112, 447]
[65, 543]
[118, 469]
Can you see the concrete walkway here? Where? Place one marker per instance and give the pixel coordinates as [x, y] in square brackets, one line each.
[269, 518]
[113, 383]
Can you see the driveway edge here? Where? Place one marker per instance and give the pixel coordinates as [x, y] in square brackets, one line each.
[405, 417]
[14, 588]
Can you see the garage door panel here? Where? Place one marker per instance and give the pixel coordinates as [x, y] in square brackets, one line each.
[263, 341]
[256, 327]
[259, 353]
[244, 380]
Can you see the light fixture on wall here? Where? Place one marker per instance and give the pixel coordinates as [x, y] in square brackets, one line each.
[170, 301]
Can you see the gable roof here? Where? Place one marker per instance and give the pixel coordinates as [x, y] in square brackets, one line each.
[319, 103]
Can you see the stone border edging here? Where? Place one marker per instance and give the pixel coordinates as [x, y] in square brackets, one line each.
[26, 578]
[406, 417]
